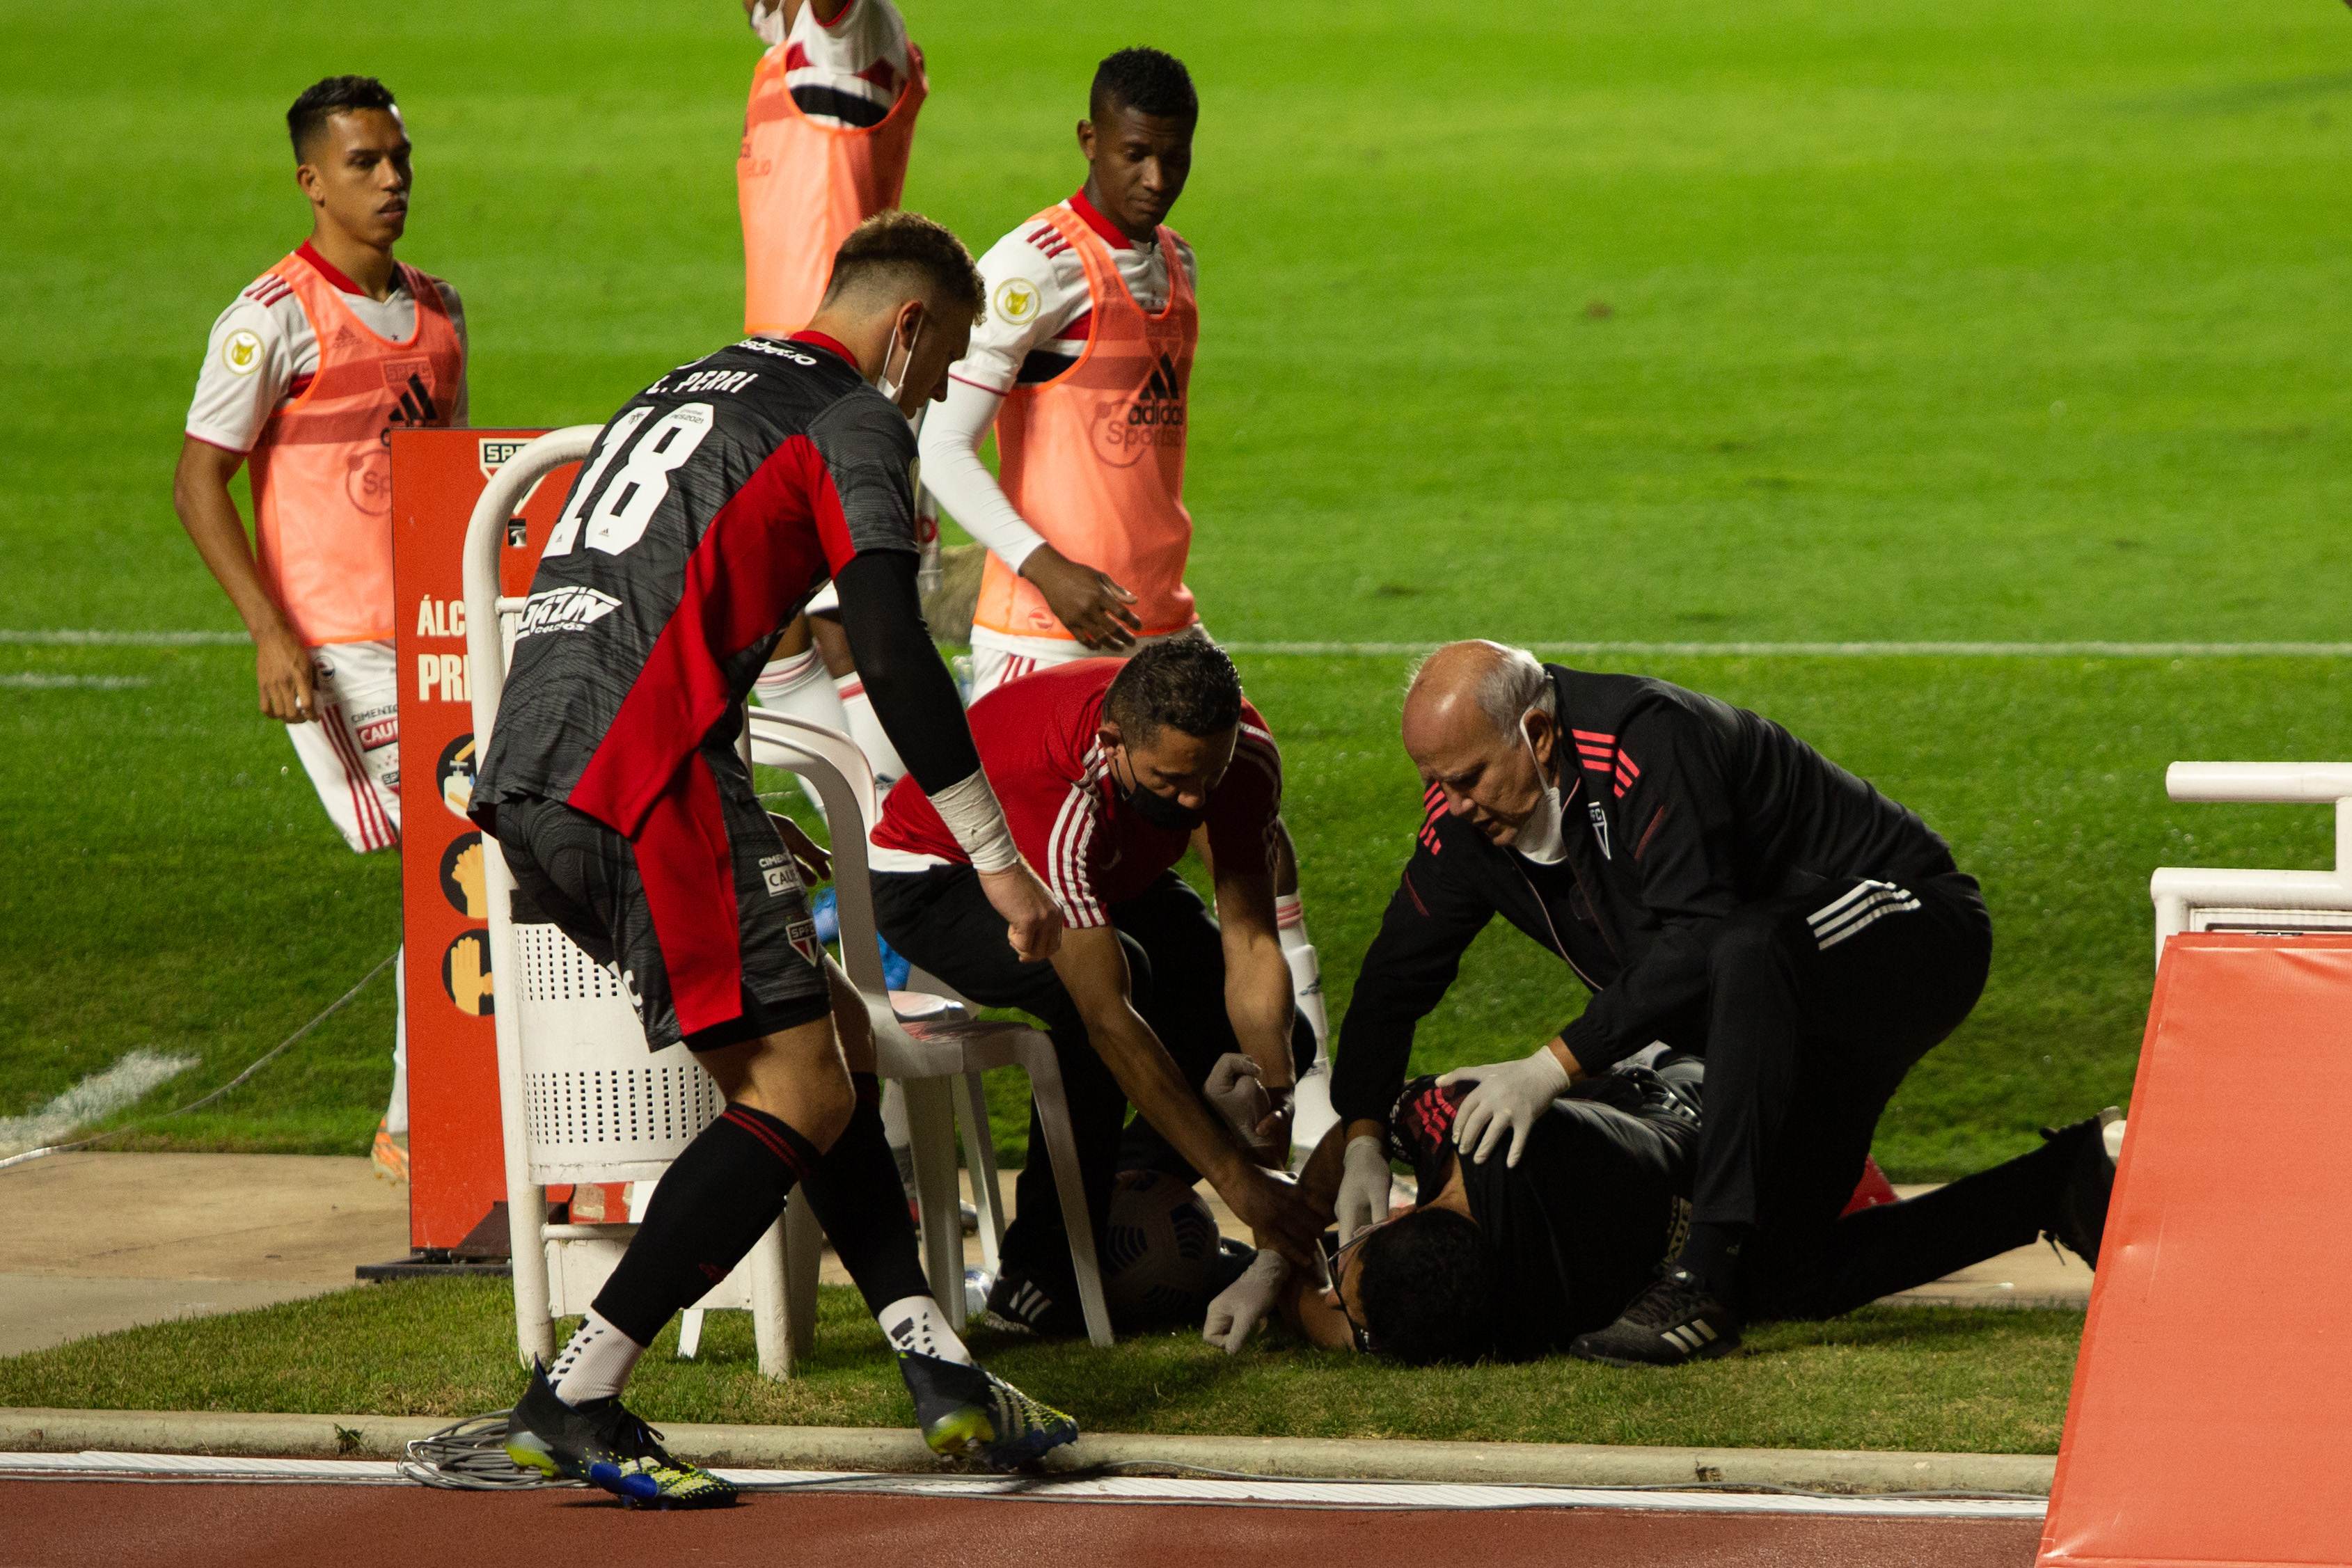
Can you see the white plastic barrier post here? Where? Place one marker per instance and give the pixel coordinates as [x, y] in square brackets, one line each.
[2188, 898]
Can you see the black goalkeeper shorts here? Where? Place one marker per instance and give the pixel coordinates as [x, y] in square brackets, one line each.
[751, 948]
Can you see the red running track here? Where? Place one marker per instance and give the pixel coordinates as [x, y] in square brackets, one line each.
[197, 1525]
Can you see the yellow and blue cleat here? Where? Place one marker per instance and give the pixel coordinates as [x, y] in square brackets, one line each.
[966, 1412]
[602, 1444]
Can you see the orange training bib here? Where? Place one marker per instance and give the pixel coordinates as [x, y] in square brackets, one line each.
[1094, 458]
[322, 469]
[803, 186]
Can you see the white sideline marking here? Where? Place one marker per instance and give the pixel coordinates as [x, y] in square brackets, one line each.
[97, 1095]
[1861, 650]
[36, 683]
[1851, 650]
[105, 639]
[1109, 1488]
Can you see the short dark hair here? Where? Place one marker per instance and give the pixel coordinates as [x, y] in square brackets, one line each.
[1149, 81]
[1187, 682]
[335, 95]
[1425, 1289]
[899, 247]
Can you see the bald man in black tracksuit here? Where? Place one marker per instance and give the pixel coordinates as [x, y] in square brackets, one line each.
[1718, 884]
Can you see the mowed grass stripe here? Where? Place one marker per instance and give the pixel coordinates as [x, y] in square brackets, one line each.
[1885, 1377]
[1837, 650]
[169, 860]
[1628, 649]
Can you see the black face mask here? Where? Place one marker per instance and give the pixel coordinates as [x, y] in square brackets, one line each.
[1159, 810]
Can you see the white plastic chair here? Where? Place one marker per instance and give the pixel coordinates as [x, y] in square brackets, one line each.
[580, 1099]
[936, 1055]
[2233, 898]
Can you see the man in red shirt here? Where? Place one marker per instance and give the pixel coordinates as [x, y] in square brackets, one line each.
[1108, 771]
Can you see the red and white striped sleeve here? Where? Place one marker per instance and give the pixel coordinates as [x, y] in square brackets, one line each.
[1064, 853]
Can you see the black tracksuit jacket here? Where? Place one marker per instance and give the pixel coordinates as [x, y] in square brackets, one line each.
[1677, 809]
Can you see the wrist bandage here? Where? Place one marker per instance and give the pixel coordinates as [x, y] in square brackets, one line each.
[968, 808]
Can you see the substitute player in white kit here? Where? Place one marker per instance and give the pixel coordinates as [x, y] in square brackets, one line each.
[307, 374]
[1084, 369]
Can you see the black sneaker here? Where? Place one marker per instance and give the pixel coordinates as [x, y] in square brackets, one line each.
[1672, 1322]
[601, 1443]
[1047, 1308]
[2091, 1180]
[966, 1412]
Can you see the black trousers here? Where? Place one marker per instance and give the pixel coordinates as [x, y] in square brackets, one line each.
[943, 923]
[1819, 1005]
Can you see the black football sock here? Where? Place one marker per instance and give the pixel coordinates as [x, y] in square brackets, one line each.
[713, 1203]
[855, 1194]
[1711, 1253]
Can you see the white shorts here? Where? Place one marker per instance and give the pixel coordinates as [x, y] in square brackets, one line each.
[995, 659]
[351, 750]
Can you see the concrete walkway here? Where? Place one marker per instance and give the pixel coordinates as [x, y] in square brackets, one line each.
[96, 1242]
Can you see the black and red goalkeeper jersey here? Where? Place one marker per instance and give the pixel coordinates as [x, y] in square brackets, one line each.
[713, 505]
[1599, 1196]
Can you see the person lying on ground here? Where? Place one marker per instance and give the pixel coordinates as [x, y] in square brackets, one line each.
[1502, 1261]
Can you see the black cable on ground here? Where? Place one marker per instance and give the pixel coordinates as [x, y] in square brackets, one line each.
[267, 1057]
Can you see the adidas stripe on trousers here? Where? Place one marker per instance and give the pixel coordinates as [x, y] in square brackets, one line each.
[1818, 1006]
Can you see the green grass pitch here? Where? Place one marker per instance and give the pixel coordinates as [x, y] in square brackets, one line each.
[1876, 319]
[1912, 1379]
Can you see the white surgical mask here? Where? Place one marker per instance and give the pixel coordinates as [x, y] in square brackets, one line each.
[883, 382]
[1544, 840]
[768, 21]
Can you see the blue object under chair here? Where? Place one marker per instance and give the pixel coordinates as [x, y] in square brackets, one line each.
[826, 908]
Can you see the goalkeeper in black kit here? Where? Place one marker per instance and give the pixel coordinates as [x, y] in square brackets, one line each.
[710, 510]
[1718, 886]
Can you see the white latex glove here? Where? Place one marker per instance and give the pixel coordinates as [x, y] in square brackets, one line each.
[1363, 1185]
[1241, 1306]
[1233, 1087]
[1508, 1098]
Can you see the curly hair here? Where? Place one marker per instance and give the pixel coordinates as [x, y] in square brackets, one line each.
[1149, 81]
[1188, 683]
[1422, 1281]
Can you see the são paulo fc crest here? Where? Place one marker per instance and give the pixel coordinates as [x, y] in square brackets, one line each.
[803, 933]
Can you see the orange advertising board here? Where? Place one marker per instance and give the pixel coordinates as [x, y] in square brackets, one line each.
[456, 1163]
[2206, 1411]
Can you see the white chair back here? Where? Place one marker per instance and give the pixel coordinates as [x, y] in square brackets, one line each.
[2232, 898]
[580, 1099]
[844, 782]
[597, 1106]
